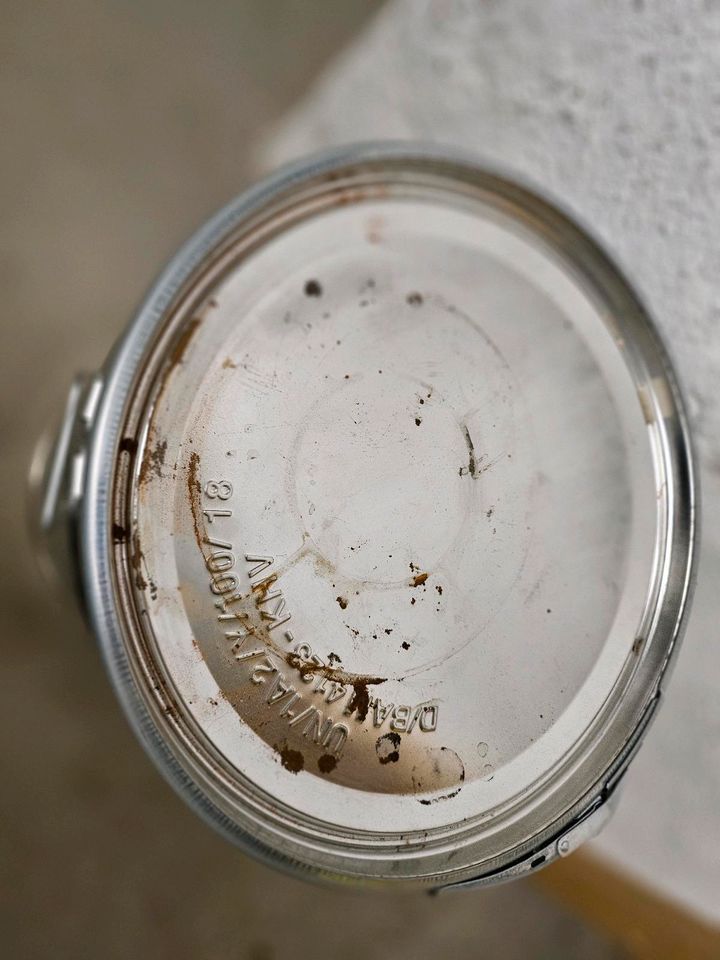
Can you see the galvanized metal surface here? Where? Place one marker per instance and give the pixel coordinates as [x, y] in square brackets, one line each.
[401, 520]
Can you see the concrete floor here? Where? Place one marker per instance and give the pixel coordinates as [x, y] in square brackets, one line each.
[124, 124]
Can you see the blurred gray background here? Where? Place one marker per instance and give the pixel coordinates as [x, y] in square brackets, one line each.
[123, 125]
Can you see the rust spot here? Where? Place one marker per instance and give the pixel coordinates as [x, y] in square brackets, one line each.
[261, 588]
[153, 461]
[129, 445]
[313, 289]
[387, 748]
[347, 195]
[194, 497]
[343, 601]
[327, 763]
[358, 681]
[415, 299]
[137, 561]
[418, 421]
[119, 534]
[405, 645]
[291, 759]
[637, 645]
[419, 579]
[439, 589]
[181, 344]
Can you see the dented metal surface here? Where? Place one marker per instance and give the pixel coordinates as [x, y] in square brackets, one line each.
[401, 520]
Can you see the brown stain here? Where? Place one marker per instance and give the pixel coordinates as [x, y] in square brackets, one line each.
[261, 589]
[387, 748]
[177, 354]
[327, 763]
[228, 364]
[313, 288]
[292, 760]
[128, 445]
[343, 602]
[137, 561]
[137, 558]
[347, 195]
[414, 299]
[360, 700]
[309, 668]
[153, 462]
[419, 579]
[119, 533]
[323, 566]
[638, 645]
[472, 465]
[194, 490]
